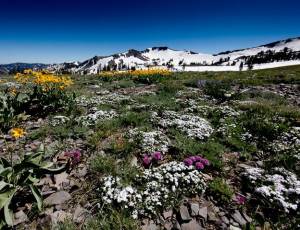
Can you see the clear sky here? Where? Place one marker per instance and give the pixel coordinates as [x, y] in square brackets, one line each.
[65, 30]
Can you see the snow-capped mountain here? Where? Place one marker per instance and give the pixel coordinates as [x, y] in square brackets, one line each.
[282, 52]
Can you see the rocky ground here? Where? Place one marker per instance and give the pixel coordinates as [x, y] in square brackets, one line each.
[244, 136]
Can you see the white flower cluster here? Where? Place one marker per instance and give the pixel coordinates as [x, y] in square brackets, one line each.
[227, 130]
[280, 186]
[224, 110]
[95, 115]
[288, 142]
[114, 191]
[150, 142]
[192, 125]
[59, 120]
[157, 187]
[113, 98]
[11, 85]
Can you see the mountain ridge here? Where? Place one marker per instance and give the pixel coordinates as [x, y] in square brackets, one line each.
[165, 57]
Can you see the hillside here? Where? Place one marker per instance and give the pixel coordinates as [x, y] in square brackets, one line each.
[280, 53]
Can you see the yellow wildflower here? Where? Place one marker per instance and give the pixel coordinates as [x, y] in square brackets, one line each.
[17, 132]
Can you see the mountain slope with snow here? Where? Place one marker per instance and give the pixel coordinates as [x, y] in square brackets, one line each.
[162, 57]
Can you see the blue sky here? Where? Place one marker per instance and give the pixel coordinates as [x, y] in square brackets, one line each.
[59, 30]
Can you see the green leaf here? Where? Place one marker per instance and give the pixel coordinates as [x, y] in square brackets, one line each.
[4, 162]
[37, 196]
[3, 184]
[5, 199]
[6, 196]
[8, 215]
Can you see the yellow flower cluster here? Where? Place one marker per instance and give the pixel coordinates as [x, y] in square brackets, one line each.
[17, 132]
[147, 72]
[44, 79]
[137, 73]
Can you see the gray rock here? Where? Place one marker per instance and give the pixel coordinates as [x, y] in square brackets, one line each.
[79, 214]
[212, 216]
[20, 217]
[239, 218]
[192, 225]
[57, 198]
[225, 219]
[184, 213]
[59, 216]
[195, 209]
[221, 214]
[82, 172]
[234, 228]
[150, 226]
[168, 214]
[203, 212]
[247, 218]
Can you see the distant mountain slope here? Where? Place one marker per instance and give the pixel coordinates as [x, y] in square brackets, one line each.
[279, 51]
[17, 67]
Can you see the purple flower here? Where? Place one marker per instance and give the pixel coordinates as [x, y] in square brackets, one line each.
[146, 161]
[188, 162]
[199, 166]
[75, 155]
[193, 159]
[198, 158]
[205, 162]
[157, 156]
[240, 199]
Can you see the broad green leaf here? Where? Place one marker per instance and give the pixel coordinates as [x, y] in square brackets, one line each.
[5, 196]
[4, 162]
[37, 196]
[3, 184]
[7, 212]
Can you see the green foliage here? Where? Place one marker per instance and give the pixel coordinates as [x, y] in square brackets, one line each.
[21, 177]
[109, 165]
[185, 146]
[11, 109]
[112, 219]
[217, 89]
[221, 190]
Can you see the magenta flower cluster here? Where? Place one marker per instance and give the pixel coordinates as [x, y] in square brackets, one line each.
[74, 155]
[154, 157]
[240, 199]
[198, 161]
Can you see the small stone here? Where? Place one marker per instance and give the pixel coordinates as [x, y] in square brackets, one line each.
[203, 213]
[150, 226]
[59, 216]
[176, 226]
[243, 166]
[247, 218]
[168, 214]
[234, 228]
[223, 226]
[79, 214]
[184, 213]
[195, 209]
[57, 198]
[20, 217]
[212, 216]
[61, 179]
[221, 214]
[225, 219]
[82, 172]
[192, 225]
[260, 163]
[239, 218]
